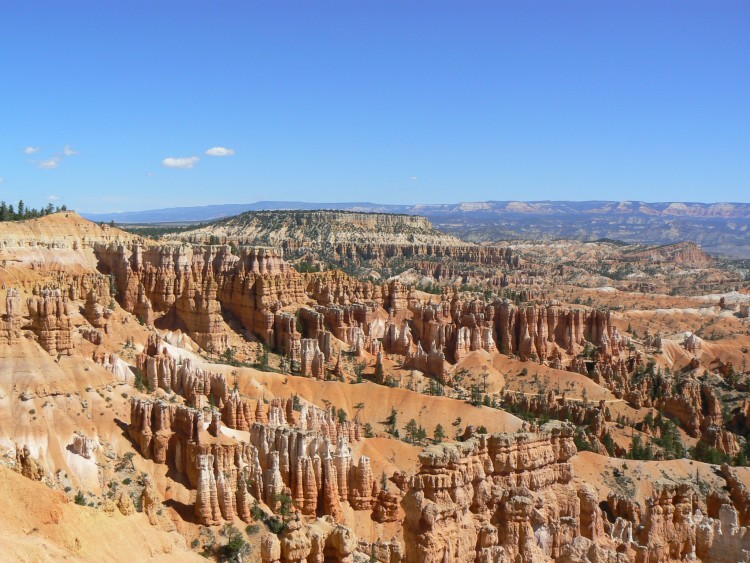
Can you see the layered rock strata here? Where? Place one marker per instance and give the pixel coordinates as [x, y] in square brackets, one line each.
[499, 497]
[49, 319]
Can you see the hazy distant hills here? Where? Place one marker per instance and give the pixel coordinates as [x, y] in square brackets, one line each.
[212, 212]
[718, 227]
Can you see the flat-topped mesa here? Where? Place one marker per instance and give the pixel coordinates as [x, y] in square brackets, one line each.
[498, 497]
[352, 238]
[295, 227]
[49, 315]
[370, 221]
[446, 250]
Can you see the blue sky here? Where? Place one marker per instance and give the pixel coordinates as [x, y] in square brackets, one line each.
[392, 102]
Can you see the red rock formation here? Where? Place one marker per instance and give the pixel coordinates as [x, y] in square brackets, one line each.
[668, 532]
[692, 343]
[191, 285]
[432, 362]
[10, 323]
[96, 314]
[207, 500]
[150, 501]
[84, 446]
[386, 507]
[382, 551]
[27, 465]
[674, 525]
[277, 458]
[739, 494]
[506, 496]
[312, 363]
[578, 412]
[50, 320]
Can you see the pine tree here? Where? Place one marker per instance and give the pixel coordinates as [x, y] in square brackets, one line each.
[411, 430]
[390, 422]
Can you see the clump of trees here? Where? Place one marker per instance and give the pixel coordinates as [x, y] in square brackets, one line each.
[21, 212]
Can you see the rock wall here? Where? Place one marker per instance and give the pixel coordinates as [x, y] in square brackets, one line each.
[10, 322]
[49, 319]
[500, 497]
[311, 462]
[454, 328]
[191, 285]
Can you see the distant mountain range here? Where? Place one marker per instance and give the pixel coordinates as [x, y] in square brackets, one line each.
[213, 212]
[718, 227]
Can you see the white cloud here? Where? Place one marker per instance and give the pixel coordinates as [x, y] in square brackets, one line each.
[50, 163]
[220, 151]
[413, 178]
[149, 173]
[31, 150]
[180, 162]
[69, 151]
[53, 198]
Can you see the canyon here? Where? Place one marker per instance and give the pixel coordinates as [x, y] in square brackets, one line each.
[343, 386]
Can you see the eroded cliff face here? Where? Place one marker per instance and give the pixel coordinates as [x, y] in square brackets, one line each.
[447, 331]
[230, 457]
[189, 286]
[285, 448]
[370, 237]
[500, 497]
[49, 316]
[677, 526]
[514, 497]
[306, 457]
[197, 287]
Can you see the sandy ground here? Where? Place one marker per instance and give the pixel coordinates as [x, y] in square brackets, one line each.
[426, 410]
[51, 528]
[640, 476]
